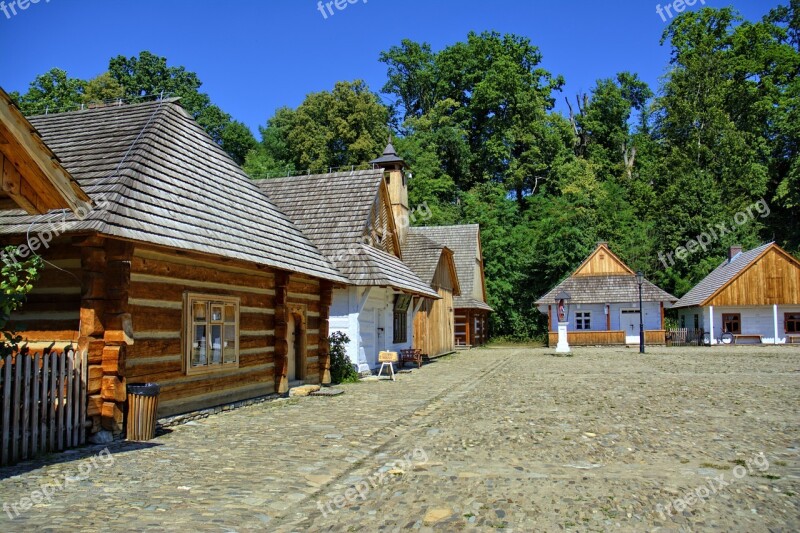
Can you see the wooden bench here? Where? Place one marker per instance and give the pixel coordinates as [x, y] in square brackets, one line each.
[792, 338]
[411, 355]
[738, 336]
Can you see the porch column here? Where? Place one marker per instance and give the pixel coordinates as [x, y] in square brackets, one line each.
[775, 321]
[711, 322]
[608, 317]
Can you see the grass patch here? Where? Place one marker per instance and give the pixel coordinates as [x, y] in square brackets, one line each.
[714, 466]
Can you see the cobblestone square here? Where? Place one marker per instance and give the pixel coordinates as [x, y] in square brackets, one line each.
[513, 439]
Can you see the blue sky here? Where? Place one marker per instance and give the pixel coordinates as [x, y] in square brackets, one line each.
[255, 56]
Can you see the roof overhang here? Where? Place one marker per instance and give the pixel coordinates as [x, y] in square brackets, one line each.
[32, 177]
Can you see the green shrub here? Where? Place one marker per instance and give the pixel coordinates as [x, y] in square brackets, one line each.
[342, 370]
[16, 281]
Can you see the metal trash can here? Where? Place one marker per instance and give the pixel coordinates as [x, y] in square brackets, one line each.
[142, 407]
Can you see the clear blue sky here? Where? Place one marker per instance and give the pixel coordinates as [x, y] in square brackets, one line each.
[255, 56]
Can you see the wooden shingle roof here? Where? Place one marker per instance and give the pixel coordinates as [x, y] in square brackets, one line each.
[424, 256]
[335, 211]
[606, 289]
[464, 241]
[720, 277]
[603, 278]
[157, 177]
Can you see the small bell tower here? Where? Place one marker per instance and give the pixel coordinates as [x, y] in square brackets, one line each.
[394, 174]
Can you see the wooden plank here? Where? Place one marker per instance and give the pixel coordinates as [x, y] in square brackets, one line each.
[45, 403]
[82, 399]
[53, 403]
[6, 413]
[16, 409]
[60, 415]
[37, 384]
[68, 427]
[72, 400]
[26, 403]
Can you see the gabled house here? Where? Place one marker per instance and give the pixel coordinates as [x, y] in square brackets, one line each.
[603, 305]
[350, 216]
[753, 295]
[33, 179]
[434, 320]
[183, 272]
[471, 312]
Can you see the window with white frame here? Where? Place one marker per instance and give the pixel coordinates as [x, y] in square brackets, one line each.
[212, 332]
[583, 320]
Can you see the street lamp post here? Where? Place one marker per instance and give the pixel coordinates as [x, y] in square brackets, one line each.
[640, 280]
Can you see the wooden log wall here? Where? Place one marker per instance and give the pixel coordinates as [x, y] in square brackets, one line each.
[604, 338]
[159, 279]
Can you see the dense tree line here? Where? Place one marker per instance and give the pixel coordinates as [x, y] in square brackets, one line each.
[710, 155]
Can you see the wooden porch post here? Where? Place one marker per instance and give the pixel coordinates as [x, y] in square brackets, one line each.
[662, 315]
[608, 318]
[326, 297]
[550, 318]
[468, 323]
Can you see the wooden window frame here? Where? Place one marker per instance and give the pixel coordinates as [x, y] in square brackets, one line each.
[732, 317]
[190, 299]
[400, 319]
[793, 318]
[585, 319]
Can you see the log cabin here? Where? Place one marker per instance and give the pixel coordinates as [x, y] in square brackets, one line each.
[183, 272]
[471, 310]
[434, 321]
[350, 216]
[753, 295]
[32, 176]
[603, 308]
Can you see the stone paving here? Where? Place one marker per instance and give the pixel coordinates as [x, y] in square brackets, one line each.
[514, 439]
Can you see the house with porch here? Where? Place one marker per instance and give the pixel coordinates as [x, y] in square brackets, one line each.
[470, 310]
[434, 321]
[182, 272]
[603, 304]
[753, 295]
[359, 220]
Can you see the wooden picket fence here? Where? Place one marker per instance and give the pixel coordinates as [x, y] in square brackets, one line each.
[43, 404]
[685, 337]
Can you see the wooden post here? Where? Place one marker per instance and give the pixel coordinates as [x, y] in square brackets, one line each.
[608, 318]
[324, 350]
[468, 330]
[550, 318]
[281, 331]
[662, 315]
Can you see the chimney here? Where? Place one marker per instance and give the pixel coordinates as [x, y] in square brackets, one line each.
[733, 251]
[395, 177]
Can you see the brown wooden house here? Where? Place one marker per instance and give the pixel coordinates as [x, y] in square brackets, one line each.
[434, 321]
[33, 179]
[471, 312]
[184, 273]
[754, 295]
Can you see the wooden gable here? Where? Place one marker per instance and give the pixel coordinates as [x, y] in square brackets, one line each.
[381, 230]
[772, 278]
[32, 177]
[445, 276]
[602, 262]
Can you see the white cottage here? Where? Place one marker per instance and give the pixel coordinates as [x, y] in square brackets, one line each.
[351, 218]
[754, 296]
[604, 303]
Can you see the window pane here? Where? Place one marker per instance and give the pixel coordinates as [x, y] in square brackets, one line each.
[199, 311]
[230, 313]
[216, 313]
[229, 345]
[216, 344]
[199, 346]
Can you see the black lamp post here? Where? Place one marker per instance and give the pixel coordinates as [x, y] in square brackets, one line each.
[640, 280]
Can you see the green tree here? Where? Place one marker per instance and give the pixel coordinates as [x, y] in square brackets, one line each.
[52, 92]
[102, 88]
[16, 281]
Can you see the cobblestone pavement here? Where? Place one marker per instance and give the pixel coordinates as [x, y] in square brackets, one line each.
[514, 439]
